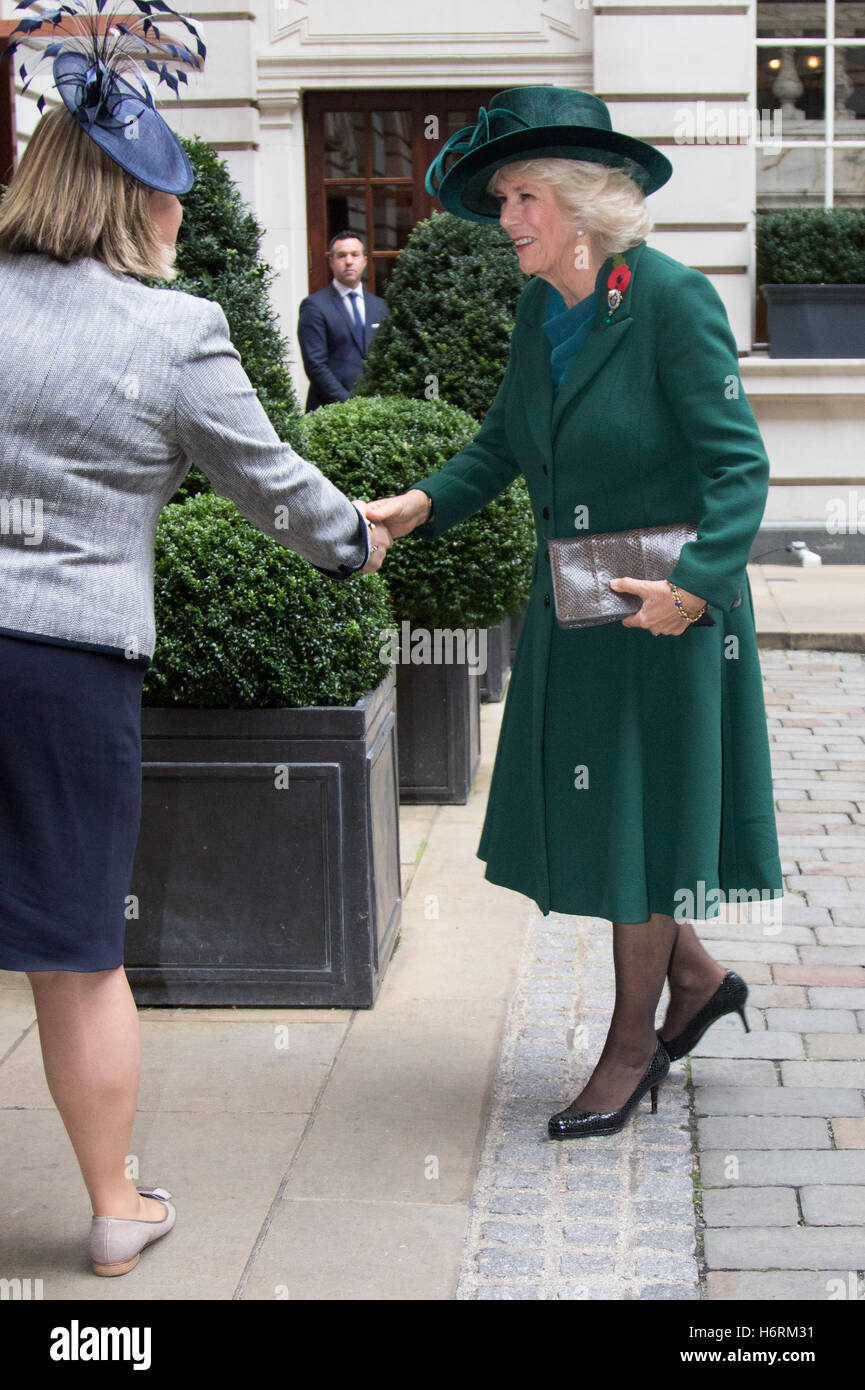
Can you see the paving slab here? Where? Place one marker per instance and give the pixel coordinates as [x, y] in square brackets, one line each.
[824, 1073]
[794, 1286]
[17, 1011]
[721, 1071]
[784, 1247]
[735, 1132]
[785, 1168]
[835, 1046]
[363, 1251]
[750, 1206]
[248, 1065]
[848, 1133]
[407, 1094]
[223, 1171]
[833, 1206]
[777, 1100]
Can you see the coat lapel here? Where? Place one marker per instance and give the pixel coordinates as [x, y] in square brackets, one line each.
[545, 413]
[537, 385]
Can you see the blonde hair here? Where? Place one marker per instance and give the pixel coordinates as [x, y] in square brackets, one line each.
[68, 198]
[606, 202]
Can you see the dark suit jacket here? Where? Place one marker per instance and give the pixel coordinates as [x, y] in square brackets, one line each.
[332, 359]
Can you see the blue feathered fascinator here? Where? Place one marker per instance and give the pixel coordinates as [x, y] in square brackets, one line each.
[93, 56]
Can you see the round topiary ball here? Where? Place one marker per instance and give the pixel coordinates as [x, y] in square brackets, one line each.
[243, 622]
[452, 299]
[376, 446]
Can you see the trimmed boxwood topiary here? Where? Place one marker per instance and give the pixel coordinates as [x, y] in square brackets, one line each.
[811, 246]
[452, 301]
[241, 621]
[377, 446]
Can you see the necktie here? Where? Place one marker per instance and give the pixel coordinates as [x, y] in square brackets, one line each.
[358, 323]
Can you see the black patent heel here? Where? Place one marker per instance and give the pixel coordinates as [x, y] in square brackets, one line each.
[572, 1123]
[728, 998]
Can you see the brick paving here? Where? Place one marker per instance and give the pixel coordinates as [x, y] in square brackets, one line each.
[782, 1144]
[749, 1183]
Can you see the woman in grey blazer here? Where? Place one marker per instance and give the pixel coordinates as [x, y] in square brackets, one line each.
[110, 389]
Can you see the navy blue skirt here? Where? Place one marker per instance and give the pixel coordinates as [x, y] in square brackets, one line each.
[70, 804]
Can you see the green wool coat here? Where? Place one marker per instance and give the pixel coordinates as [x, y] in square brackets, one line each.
[632, 773]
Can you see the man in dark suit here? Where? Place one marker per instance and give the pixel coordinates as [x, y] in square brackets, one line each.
[336, 325]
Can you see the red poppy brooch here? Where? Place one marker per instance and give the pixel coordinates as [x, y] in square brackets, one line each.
[618, 281]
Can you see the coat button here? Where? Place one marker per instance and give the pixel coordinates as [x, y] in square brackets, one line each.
[546, 470]
[547, 600]
[546, 513]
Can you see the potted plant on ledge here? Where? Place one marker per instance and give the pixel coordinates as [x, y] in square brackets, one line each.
[267, 870]
[811, 271]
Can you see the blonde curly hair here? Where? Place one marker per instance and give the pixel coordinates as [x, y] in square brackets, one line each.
[606, 202]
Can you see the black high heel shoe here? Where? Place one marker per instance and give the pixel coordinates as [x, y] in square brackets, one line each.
[571, 1123]
[728, 998]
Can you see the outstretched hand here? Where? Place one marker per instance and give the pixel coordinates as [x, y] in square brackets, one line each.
[658, 612]
[380, 539]
[400, 514]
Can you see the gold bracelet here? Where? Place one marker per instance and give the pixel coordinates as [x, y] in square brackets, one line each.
[681, 607]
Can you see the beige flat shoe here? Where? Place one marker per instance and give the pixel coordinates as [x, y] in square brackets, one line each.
[116, 1242]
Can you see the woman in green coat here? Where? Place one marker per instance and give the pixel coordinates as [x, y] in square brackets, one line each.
[632, 780]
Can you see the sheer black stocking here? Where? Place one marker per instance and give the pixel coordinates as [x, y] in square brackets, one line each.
[641, 956]
[694, 976]
[644, 953]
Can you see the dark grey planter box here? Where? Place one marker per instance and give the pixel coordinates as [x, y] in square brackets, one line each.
[254, 892]
[494, 679]
[816, 320]
[439, 732]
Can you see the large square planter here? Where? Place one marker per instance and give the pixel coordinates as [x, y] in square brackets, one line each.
[494, 679]
[439, 732]
[267, 869]
[816, 320]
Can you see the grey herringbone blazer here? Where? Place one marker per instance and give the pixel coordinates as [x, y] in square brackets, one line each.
[109, 390]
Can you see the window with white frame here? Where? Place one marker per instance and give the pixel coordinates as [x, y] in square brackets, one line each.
[811, 79]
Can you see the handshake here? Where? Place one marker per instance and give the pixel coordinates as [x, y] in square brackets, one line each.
[389, 518]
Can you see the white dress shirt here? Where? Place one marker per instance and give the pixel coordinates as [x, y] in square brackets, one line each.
[345, 291]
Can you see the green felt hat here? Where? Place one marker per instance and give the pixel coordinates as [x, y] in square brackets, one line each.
[535, 123]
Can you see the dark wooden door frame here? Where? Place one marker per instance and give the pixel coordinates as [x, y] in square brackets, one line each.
[422, 103]
[8, 158]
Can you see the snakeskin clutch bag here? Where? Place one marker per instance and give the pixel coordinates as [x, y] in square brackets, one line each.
[584, 565]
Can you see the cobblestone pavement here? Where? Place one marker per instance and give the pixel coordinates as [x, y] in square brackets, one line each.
[605, 1218]
[749, 1182]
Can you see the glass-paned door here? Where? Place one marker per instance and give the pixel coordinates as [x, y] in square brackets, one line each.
[367, 155]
